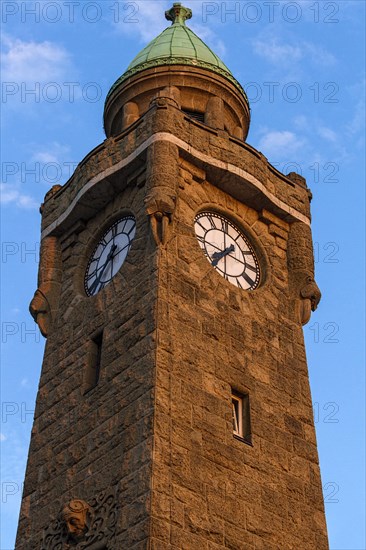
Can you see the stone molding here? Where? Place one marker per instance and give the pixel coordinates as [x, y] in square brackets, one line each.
[175, 61]
[164, 136]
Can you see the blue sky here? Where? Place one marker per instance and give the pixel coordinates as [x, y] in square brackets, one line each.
[302, 64]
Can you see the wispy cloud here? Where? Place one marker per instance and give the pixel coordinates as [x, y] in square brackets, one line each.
[277, 52]
[146, 20]
[328, 134]
[274, 143]
[55, 153]
[210, 38]
[33, 61]
[356, 124]
[11, 195]
[2, 437]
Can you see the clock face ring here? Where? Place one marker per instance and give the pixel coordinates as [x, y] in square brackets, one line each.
[109, 254]
[228, 250]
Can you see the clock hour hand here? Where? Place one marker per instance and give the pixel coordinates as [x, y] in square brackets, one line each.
[216, 256]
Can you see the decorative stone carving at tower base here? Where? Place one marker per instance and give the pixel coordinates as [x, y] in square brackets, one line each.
[83, 526]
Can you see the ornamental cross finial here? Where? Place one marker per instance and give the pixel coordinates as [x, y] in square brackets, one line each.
[178, 14]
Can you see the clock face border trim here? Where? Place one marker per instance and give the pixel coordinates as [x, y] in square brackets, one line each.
[112, 246]
[247, 272]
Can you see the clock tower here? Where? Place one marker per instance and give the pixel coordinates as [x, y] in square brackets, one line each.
[176, 272]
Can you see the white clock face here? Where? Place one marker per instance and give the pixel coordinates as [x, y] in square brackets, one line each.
[228, 250]
[109, 254]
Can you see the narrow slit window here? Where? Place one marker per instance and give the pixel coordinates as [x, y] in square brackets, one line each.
[92, 372]
[241, 417]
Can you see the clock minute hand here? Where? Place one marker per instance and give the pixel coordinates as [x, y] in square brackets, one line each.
[216, 256]
[108, 259]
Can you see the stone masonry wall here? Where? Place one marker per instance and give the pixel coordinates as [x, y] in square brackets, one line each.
[211, 491]
[177, 338]
[84, 444]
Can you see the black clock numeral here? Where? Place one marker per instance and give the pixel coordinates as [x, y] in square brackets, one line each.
[248, 279]
[212, 222]
[224, 226]
[91, 276]
[113, 248]
[227, 249]
[122, 229]
[204, 229]
[114, 231]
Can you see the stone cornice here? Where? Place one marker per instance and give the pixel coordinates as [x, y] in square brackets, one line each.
[195, 153]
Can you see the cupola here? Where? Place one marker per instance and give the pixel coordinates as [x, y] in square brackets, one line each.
[179, 64]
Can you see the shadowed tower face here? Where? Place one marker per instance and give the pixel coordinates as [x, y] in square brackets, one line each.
[176, 273]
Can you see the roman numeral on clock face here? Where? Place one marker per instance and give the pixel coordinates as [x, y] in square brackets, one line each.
[228, 250]
[109, 254]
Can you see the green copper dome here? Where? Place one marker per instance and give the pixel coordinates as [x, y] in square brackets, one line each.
[176, 45]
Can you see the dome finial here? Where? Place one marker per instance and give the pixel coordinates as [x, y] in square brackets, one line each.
[178, 14]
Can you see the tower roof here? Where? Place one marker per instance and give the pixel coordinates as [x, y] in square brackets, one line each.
[176, 45]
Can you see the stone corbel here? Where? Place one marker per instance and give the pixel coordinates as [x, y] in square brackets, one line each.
[300, 259]
[160, 206]
[40, 310]
[44, 304]
[310, 297]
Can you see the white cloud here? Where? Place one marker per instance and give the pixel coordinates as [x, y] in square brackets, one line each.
[274, 144]
[149, 21]
[2, 437]
[318, 54]
[11, 195]
[146, 22]
[56, 153]
[277, 52]
[33, 61]
[301, 122]
[209, 38]
[356, 125]
[328, 134]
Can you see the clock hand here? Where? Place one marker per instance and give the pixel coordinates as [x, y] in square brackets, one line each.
[108, 259]
[217, 256]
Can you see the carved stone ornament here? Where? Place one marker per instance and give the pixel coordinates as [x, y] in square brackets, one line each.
[160, 207]
[300, 258]
[76, 517]
[310, 295]
[40, 310]
[44, 304]
[81, 525]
